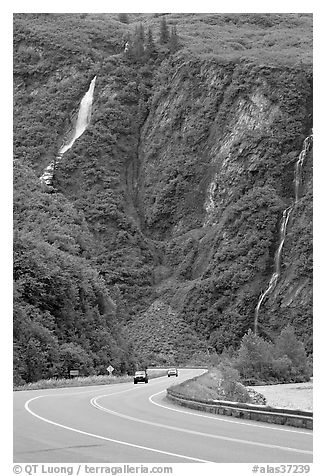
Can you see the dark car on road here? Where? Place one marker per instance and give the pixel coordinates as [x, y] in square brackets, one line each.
[173, 372]
[141, 376]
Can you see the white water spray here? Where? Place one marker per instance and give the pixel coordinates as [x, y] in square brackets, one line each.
[83, 119]
[298, 166]
[285, 219]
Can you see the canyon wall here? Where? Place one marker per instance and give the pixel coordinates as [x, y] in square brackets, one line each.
[176, 191]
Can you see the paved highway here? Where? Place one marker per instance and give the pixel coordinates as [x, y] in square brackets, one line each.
[124, 423]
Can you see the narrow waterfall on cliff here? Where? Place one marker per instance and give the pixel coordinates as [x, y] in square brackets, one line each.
[285, 219]
[298, 166]
[83, 119]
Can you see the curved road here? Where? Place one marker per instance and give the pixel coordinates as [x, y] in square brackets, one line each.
[124, 423]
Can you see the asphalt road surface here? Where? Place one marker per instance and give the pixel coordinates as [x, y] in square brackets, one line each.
[124, 423]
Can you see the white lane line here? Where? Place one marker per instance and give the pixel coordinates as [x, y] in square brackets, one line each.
[231, 420]
[81, 393]
[95, 404]
[111, 440]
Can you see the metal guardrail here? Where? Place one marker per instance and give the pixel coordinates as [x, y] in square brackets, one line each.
[280, 416]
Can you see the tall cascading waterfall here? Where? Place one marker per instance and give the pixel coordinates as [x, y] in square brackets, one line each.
[83, 119]
[285, 219]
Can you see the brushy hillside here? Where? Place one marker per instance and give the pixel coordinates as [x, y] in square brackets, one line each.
[64, 317]
[160, 336]
[173, 195]
[266, 37]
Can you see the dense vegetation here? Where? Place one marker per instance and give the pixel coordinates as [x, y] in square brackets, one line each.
[256, 362]
[173, 195]
[63, 315]
[260, 361]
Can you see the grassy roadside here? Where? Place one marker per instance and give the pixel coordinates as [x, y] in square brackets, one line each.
[83, 381]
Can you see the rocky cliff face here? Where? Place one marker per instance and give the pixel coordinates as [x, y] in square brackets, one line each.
[163, 219]
[216, 162]
[182, 177]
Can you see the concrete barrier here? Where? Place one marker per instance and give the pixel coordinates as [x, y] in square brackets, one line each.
[247, 411]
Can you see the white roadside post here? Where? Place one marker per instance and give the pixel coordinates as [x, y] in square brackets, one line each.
[110, 369]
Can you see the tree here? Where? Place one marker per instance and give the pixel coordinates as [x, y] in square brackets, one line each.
[150, 48]
[164, 32]
[141, 32]
[74, 357]
[288, 345]
[284, 361]
[174, 40]
[123, 18]
[137, 45]
[255, 357]
[230, 384]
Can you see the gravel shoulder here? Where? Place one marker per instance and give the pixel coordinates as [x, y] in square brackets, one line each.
[298, 396]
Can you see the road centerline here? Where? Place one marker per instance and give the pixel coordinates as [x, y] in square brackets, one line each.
[111, 440]
[94, 402]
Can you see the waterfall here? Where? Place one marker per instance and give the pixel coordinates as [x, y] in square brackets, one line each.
[83, 119]
[285, 219]
[277, 264]
[298, 166]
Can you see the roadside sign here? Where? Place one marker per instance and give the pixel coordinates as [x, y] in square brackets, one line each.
[110, 369]
[74, 373]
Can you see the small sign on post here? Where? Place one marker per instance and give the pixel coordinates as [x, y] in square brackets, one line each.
[110, 369]
[74, 373]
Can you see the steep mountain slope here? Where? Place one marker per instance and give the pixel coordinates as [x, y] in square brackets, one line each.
[160, 336]
[217, 162]
[173, 196]
[63, 314]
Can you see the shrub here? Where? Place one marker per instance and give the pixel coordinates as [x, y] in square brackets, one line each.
[254, 357]
[287, 346]
[259, 361]
[232, 389]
